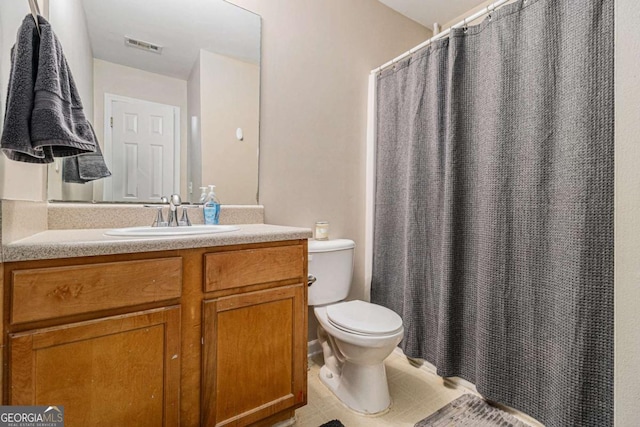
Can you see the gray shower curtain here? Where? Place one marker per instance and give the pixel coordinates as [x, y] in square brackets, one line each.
[493, 234]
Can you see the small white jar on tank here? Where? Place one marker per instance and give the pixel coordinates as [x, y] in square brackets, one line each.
[322, 230]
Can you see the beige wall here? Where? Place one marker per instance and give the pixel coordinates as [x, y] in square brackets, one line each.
[627, 214]
[121, 80]
[316, 59]
[230, 93]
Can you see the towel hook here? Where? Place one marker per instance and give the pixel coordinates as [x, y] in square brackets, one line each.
[35, 11]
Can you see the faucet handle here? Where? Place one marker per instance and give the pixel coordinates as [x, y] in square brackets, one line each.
[159, 220]
[185, 218]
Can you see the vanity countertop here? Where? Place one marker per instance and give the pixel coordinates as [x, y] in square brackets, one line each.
[89, 242]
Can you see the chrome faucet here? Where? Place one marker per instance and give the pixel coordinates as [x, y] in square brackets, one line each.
[174, 203]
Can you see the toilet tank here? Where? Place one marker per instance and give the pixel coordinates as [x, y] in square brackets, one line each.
[331, 263]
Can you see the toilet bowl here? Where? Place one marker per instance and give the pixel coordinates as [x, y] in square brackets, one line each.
[356, 336]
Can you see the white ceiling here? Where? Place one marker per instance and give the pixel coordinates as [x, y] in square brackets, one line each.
[427, 12]
[181, 27]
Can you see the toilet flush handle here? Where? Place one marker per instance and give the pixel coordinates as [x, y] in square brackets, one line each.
[311, 279]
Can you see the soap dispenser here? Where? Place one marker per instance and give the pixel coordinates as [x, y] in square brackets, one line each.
[211, 207]
[203, 195]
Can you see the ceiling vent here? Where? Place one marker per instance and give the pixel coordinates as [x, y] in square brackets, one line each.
[149, 47]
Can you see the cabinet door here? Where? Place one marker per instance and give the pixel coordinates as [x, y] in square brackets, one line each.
[254, 355]
[117, 371]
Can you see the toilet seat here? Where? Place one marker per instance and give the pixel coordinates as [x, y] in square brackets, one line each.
[363, 318]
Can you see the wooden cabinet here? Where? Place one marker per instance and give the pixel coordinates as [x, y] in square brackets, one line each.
[117, 371]
[46, 293]
[254, 355]
[238, 269]
[99, 336]
[195, 337]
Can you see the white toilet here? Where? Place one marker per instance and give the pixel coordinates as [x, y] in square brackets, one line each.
[356, 336]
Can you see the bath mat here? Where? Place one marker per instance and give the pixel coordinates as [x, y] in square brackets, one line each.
[470, 411]
[333, 423]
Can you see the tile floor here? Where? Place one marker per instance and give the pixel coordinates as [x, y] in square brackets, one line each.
[415, 394]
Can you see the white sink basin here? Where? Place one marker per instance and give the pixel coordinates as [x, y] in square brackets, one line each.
[148, 231]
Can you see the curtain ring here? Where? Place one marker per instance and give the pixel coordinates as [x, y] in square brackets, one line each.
[492, 8]
[464, 25]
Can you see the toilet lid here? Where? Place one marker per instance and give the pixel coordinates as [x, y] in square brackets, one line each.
[364, 318]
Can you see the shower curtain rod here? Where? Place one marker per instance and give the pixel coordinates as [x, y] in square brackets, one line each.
[489, 9]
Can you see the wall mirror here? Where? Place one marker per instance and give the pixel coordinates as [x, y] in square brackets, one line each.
[172, 89]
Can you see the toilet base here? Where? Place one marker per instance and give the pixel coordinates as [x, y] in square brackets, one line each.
[362, 388]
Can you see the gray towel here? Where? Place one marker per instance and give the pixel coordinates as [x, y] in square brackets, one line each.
[16, 134]
[44, 116]
[85, 167]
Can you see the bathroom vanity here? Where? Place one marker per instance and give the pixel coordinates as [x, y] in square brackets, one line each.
[204, 330]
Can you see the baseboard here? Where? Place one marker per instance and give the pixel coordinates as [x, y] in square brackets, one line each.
[467, 386]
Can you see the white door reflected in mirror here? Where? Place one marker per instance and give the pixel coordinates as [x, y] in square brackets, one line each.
[142, 144]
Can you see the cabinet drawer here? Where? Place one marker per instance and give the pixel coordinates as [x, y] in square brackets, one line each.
[45, 293]
[226, 270]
